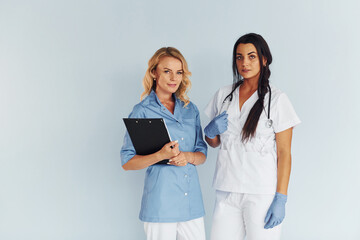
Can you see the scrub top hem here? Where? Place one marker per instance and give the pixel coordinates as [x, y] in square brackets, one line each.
[171, 220]
[248, 190]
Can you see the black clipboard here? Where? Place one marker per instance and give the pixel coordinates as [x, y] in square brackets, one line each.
[148, 135]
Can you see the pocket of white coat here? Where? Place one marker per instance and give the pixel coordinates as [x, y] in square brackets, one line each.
[260, 169]
[228, 168]
[220, 169]
[262, 128]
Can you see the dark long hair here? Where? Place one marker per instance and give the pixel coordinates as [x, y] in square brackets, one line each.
[263, 51]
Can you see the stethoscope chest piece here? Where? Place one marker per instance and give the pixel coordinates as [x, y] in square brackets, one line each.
[269, 123]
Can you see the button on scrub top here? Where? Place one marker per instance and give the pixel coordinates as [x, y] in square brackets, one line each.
[249, 167]
[171, 193]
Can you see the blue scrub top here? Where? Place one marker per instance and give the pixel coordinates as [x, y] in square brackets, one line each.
[171, 193]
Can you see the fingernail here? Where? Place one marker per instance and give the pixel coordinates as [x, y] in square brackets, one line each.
[170, 160]
[168, 163]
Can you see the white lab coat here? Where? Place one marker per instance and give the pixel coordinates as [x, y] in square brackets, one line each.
[249, 167]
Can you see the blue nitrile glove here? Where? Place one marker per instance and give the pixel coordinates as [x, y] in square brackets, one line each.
[217, 126]
[276, 212]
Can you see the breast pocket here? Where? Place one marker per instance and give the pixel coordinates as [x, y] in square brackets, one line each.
[191, 121]
[264, 140]
[263, 128]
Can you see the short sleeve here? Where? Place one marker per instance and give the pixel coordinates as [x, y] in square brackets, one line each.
[128, 151]
[212, 108]
[284, 116]
[200, 145]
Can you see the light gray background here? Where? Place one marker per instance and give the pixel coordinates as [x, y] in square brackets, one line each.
[71, 70]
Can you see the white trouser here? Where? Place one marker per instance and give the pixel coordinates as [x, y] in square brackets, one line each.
[237, 215]
[190, 230]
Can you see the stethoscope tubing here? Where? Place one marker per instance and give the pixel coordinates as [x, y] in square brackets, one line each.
[268, 122]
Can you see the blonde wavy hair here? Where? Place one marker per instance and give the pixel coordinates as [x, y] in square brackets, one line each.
[149, 83]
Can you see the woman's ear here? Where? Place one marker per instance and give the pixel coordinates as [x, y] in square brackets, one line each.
[264, 61]
[152, 73]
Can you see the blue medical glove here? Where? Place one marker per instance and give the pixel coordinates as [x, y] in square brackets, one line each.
[276, 212]
[217, 126]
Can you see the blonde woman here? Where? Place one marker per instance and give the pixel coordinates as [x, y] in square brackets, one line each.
[172, 206]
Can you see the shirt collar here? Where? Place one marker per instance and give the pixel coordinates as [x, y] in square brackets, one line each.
[154, 96]
[177, 109]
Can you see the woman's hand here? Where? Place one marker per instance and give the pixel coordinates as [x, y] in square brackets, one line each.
[276, 212]
[169, 150]
[179, 160]
[217, 126]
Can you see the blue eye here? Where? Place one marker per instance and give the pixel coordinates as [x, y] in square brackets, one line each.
[252, 56]
[179, 73]
[166, 71]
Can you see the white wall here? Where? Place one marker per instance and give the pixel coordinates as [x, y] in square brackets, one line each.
[71, 70]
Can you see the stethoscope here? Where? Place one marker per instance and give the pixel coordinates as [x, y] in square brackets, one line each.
[269, 122]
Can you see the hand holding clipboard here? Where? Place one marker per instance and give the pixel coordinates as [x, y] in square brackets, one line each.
[170, 150]
[150, 135]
